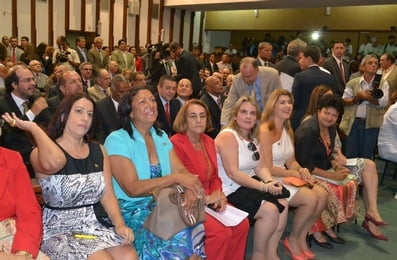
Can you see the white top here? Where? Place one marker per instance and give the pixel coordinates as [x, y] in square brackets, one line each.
[387, 139]
[245, 162]
[282, 150]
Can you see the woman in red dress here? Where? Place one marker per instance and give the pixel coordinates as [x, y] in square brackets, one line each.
[197, 152]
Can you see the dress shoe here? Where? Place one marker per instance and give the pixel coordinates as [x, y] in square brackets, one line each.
[288, 248]
[336, 240]
[321, 244]
[377, 223]
[365, 225]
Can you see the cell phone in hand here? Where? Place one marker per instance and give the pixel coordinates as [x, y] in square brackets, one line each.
[213, 207]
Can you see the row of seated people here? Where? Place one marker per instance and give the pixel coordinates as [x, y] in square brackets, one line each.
[244, 166]
[32, 80]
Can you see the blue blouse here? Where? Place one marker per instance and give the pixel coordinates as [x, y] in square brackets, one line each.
[120, 143]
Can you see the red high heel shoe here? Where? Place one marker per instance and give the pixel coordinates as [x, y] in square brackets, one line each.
[308, 254]
[365, 225]
[288, 248]
[377, 223]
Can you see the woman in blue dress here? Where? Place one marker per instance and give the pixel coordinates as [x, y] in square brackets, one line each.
[142, 159]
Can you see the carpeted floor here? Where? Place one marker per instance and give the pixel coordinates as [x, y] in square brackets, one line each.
[359, 244]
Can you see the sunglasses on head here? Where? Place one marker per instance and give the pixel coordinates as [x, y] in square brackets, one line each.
[252, 147]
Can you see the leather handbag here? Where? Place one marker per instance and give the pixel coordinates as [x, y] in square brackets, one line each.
[168, 215]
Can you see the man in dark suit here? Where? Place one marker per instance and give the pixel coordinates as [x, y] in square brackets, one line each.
[305, 81]
[211, 64]
[289, 64]
[81, 50]
[214, 98]
[22, 99]
[265, 53]
[106, 116]
[187, 67]
[338, 67]
[167, 105]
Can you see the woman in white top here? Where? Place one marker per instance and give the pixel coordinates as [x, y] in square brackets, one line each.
[276, 145]
[246, 181]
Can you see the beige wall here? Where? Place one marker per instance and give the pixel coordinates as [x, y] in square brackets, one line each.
[343, 22]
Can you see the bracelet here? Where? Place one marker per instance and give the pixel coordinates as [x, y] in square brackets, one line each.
[24, 253]
[269, 181]
[264, 187]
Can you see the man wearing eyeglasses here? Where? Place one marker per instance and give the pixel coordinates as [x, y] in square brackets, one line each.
[23, 99]
[86, 71]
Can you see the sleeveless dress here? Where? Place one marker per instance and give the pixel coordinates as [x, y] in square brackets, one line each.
[282, 151]
[69, 196]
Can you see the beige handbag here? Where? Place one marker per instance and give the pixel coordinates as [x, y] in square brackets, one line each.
[168, 216]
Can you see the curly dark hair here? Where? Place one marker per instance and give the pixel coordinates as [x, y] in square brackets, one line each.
[125, 110]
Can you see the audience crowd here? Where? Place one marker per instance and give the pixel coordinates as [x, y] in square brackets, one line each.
[275, 127]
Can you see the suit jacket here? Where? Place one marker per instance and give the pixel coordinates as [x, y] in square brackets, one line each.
[288, 65]
[332, 66]
[302, 87]
[15, 138]
[156, 72]
[97, 92]
[188, 156]
[188, 67]
[215, 112]
[18, 53]
[80, 53]
[95, 58]
[118, 57]
[212, 69]
[175, 105]
[310, 151]
[106, 119]
[18, 201]
[269, 63]
[269, 81]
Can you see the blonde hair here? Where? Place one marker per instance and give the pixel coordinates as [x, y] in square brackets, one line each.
[232, 122]
[268, 111]
[180, 122]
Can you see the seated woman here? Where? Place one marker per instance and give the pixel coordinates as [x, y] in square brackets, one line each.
[197, 152]
[247, 182]
[20, 214]
[142, 159]
[315, 141]
[276, 144]
[74, 176]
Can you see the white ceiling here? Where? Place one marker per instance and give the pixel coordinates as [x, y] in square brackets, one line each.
[209, 5]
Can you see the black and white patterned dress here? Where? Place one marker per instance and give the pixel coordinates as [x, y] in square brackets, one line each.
[69, 196]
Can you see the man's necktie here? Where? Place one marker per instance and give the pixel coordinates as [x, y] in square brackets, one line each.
[13, 57]
[342, 72]
[219, 101]
[167, 111]
[25, 106]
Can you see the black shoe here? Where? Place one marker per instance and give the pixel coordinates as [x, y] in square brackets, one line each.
[321, 244]
[336, 240]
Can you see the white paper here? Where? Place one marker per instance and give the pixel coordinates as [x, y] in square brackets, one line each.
[286, 81]
[232, 216]
[351, 162]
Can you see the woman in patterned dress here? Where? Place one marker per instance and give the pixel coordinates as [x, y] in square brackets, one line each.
[75, 176]
[142, 159]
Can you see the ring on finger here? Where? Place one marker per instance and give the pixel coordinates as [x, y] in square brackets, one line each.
[13, 123]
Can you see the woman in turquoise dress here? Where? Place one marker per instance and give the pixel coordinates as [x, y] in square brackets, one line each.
[142, 159]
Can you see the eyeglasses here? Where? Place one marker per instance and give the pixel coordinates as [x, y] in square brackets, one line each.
[252, 147]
